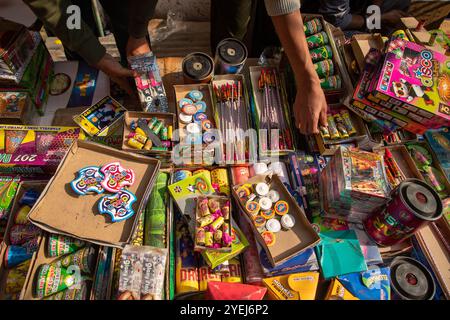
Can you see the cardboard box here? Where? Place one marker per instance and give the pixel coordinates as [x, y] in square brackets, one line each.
[288, 243]
[33, 149]
[361, 45]
[167, 118]
[14, 107]
[403, 160]
[198, 150]
[328, 147]
[23, 187]
[416, 79]
[78, 215]
[297, 286]
[258, 102]
[101, 119]
[39, 258]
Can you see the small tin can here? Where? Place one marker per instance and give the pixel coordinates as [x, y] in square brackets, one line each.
[197, 67]
[324, 68]
[321, 53]
[317, 40]
[231, 55]
[413, 205]
[331, 83]
[411, 280]
[312, 26]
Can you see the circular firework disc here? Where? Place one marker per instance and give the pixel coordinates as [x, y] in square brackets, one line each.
[189, 109]
[59, 84]
[185, 101]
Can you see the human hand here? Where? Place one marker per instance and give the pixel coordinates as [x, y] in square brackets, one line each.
[116, 72]
[310, 107]
[392, 18]
[137, 46]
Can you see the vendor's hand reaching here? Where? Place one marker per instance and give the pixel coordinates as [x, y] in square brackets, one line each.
[310, 108]
[116, 72]
[137, 46]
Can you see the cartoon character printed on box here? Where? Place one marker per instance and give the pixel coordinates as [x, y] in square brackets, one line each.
[104, 115]
[12, 103]
[409, 58]
[409, 92]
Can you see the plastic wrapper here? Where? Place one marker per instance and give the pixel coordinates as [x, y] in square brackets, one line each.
[142, 271]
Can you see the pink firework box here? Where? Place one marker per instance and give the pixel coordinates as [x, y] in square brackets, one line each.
[34, 149]
[416, 82]
[362, 104]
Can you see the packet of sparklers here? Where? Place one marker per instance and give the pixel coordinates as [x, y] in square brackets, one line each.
[152, 94]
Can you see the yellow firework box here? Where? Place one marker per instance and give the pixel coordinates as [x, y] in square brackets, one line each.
[219, 176]
[338, 292]
[297, 286]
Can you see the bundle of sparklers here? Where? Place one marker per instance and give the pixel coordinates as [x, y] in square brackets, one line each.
[272, 117]
[233, 118]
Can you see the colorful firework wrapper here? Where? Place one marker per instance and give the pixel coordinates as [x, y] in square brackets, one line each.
[15, 255]
[20, 234]
[219, 177]
[142, 270]
[13, 140]
[71, 294]
[235, 273]
[83, 259]
[21, 216]
[44, 141]
[30, 197]
[15, 279]
[331, 83]
[8, 189]
[52, 279]
[324, 68]
[317, 40]
[312, 26]
[321, 53]
[59, 245]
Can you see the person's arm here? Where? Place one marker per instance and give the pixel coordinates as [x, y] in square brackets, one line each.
[53, 14]
[141, 11]
[337, 12]
[310, 108]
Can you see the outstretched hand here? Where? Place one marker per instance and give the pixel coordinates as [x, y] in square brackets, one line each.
[116, 72]
[310, 108]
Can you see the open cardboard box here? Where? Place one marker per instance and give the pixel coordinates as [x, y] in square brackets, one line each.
[23, 187]
[59, 210]
[328, 147]
[41, 257]
[288, 243]
[361, 45]
[167, 118]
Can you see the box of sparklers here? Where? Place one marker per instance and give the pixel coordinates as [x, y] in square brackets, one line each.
[232, 117]
[21, 240]
[271, 112]
[34, 149]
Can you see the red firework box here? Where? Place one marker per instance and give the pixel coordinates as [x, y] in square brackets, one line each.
[415, 82]
[34, 149]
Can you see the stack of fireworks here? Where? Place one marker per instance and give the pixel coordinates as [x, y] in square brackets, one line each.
[354, 184]
[213, 216]
[152, 135]
[23, 242]
[68, 276]
[26, 68]
[322, 54]
[340, 126]
[272, 116]
[393, 173]
[16, 47]
[233, 116]
[149, 83]
[192, 272]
